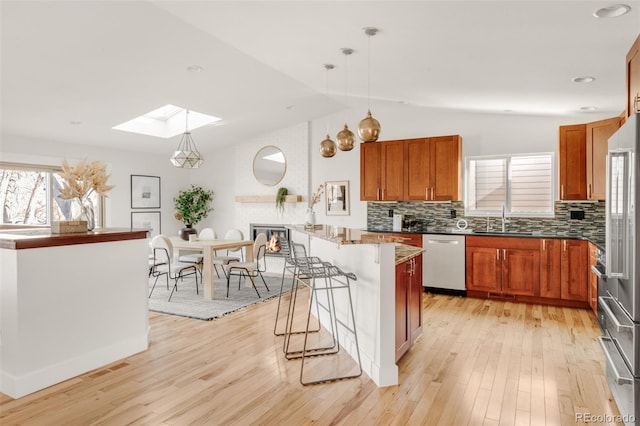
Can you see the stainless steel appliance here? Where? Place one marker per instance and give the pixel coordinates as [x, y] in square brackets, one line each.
[619, 308]
[443, 264]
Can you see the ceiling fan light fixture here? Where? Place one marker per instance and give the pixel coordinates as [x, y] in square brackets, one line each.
[186, 155]
[369, 128]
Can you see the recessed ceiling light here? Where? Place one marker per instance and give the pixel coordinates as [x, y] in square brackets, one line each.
[290, 107]
[195, 68]
[585, 79]
[612, 11]
[75, 123]
[588, 108]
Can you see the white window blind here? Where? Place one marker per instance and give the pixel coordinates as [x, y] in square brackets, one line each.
[523, 183]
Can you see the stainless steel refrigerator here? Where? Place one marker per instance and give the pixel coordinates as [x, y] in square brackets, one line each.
[619, 307]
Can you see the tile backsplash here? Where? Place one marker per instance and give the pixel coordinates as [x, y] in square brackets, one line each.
[437, 217]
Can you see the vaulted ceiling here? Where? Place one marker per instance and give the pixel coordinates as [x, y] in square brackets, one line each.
[71, 70]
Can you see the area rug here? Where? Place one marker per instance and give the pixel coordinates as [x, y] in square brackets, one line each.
[186, 303]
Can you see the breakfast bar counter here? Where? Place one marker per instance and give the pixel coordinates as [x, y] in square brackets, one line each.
[69, 303]
[372, 258]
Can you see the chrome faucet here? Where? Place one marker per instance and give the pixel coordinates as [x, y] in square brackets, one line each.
[504, 218]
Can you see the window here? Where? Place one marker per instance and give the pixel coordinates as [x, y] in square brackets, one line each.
[29, 196]
[523, 183]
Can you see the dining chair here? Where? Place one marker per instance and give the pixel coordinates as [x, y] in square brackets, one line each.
[197, 258]
[221, 261]
[166, 264]
[251, 269]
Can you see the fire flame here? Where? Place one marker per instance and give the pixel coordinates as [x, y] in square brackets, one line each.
[273, 245]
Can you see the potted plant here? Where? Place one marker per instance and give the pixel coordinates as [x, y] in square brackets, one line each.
[281, 198]
[192, 205]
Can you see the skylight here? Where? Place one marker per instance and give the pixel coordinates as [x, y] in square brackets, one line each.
[166, 122]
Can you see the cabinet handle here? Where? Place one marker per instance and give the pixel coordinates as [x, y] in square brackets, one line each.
[564, 245]
[562, 192]
[426, 193]
[544, 245]
[497, 254]
[589, 191]
[432, 194]
[378, 194]
[504, 254]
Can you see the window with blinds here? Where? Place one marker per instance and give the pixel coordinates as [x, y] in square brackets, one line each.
[523, 183]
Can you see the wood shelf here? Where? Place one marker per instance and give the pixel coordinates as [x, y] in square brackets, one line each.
[266, 198]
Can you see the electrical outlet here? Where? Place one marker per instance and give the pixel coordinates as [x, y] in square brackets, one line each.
[453, 214]
[577, 214]
[390, 212]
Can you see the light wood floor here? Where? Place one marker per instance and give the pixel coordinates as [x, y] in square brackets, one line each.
[478, 362]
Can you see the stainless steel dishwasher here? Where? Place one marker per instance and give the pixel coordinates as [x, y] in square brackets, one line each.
[443, 264]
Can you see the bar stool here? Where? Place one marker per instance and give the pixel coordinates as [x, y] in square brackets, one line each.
[323, 278]
[295, 257]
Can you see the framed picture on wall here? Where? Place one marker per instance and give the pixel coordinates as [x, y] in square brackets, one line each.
[146, 220]
[145, 192]
[337, 198]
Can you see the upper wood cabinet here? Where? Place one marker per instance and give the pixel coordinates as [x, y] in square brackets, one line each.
[633, 78]
[573, 162]
[381, 171]
[598, 134]
[433, 168]
[583, 153]
[422, 169]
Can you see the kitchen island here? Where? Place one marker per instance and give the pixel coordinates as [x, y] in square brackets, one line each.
[69, 303]
[372, 258]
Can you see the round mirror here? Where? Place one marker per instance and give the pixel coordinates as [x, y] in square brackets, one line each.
[269, 165]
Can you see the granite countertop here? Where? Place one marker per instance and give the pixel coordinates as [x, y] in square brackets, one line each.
[597, 239]
[342, 236]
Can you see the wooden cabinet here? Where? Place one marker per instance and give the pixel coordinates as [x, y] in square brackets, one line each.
[573, 162]
[408, 304]
[593, 279]
[503, 266]
[563, 269]
[583, 150]
[424, 169]
[433, 168]
[550, 264]
[548, 271]
[382, 171]
[574, 269]
[597, 134]
[633, 79]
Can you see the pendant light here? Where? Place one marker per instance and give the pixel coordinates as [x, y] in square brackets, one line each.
[186, 154]
[328, 147]
[369, 127]
[345, 138]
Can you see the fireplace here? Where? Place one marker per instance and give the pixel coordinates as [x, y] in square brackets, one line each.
[277, 238]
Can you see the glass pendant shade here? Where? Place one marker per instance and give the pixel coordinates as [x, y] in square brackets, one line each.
[369, 128]
[328, 147]
[346, 139]
[187, 156]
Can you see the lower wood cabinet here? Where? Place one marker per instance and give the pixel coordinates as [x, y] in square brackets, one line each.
[503, 266]
[408, 304]
[546, 271]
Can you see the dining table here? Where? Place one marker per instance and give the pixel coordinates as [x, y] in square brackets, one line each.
[208, 249]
